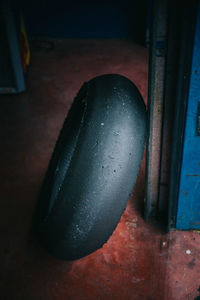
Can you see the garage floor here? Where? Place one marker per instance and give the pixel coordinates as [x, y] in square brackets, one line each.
[140, 261]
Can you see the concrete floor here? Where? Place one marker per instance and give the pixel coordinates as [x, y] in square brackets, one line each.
[139, 262]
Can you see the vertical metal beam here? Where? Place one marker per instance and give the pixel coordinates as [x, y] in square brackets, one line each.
[172, 62]
[156, 103]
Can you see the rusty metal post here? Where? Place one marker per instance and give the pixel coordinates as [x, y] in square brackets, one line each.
[156, 103]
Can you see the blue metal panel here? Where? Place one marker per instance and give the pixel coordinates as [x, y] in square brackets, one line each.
[14, 82]
[188, 214]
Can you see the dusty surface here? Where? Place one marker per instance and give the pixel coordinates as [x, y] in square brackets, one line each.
[139, 262]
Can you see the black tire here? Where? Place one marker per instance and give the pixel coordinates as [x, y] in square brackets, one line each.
[93, 169]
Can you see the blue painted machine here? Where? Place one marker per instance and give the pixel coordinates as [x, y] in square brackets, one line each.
[173, 154]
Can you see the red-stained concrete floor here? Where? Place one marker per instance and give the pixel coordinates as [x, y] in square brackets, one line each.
[139, 262]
